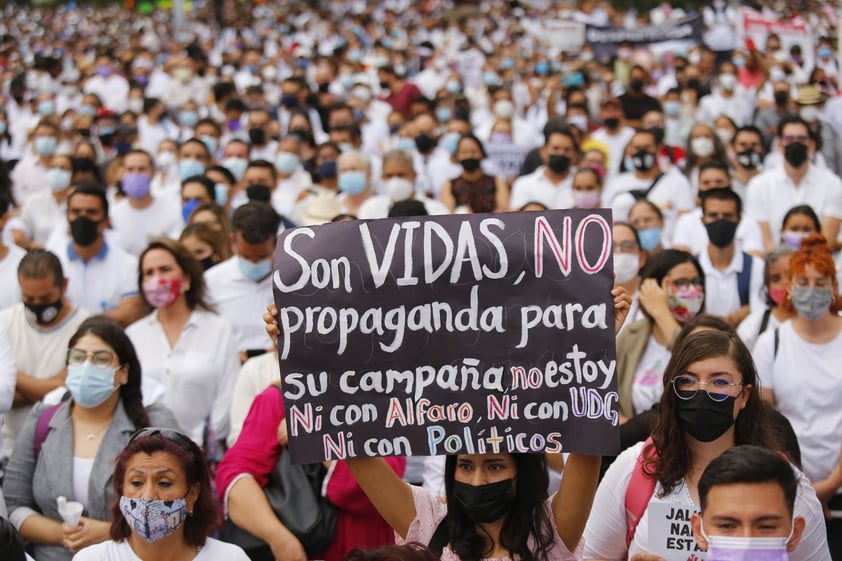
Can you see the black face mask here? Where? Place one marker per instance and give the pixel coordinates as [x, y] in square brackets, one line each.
[721, 232]
[289, 101]
[485, 503]
[259, 193]
[749, 159]
[612, 122]
[694, 84]
[559, 163]
[636, 85]
[425, 143]
[257, 136]
[84, 132]
[84, 231]
[795, 154]
[470, 164]
[643, 160]
[323, 87]
[781, 97]
[385, 86]
[45, 313]
[659, 133]
[207, 262]
[703, 418]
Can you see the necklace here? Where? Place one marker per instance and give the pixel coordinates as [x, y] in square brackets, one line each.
[94, 434]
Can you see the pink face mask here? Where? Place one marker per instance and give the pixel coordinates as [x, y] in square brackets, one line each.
[778, 295]
[586, 199]
[686, 301]
[162, 293]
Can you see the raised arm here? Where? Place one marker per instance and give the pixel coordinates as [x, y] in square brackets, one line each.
[572, 504]
[390, 495]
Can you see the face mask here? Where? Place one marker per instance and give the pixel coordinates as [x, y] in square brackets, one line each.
[579, 121]
[749, 159]
[703, 418]
[3, 127]
[89, 384]
[636, 85]
[237, 167]
[165, 159]
[612, 122]
[739, 61]
[327, 170]
[586, 199]
[643, 160]
[189, 168]
[188, 118]
[504, 109]
[89, 110]
[793, 239]
[825, 52]
[721, 232]
[685, 302]
[135, 185]
[781, 97]
[103, 71]
[289, 101]
[626, 267]
[453, 87]
[255, 271]
[207, 262]
[491, 78]
[747, 549]
[542, 68]
[450, 141]
[220, 193]
[58, 179]
[154, 519]
[702, 146]
[795, 154]
[424, 142]
[188, 208]
[257, 137]
[485, 503]
[559, 164]
[162, 293]
[649, 238]
[728, 82]
[443, 114]
[286, 162]
[811, 302]
[352, 182]
[45, 313]
[725, 135]
[136, 105]
[672, 109]
[46, 108]
[399, 189]
[778, 295]
[84, 231]
[45, 145]
[261, 193]
[210, 143]
[659, 133]
[809, 113]
[470, 164]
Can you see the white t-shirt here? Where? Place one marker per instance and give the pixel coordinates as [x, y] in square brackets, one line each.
[538, 188]
[256, 375]
[691, 233]
[605, 533]
[198, 374]
[722, 295]
[82, 468]
[648, 384]
[616, 147]
[100, 284]
[40, 214]
[10, 295]
[807, 383]
[213, 550]
[138, 226]
[749, 328]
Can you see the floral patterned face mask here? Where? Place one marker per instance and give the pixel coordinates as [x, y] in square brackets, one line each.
[686, 301]
[153, 519]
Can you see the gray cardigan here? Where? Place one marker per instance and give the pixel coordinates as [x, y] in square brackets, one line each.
[32, 488]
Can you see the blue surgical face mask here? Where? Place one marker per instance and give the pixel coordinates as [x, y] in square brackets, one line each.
[255, 271]
[649, 238]
[188, 207]
[286, 162]
[406, 144]
[220, 191]
[237, 166]
[89, 384]
[46, 107]
[210, 143]
[352, 182]
[190, 167]
[450, 141]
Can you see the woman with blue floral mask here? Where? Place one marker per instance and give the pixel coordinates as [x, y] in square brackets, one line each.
[799, 364]
[68, 449]
[165, 508]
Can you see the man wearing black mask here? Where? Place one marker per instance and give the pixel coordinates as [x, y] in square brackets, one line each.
[39, 329]
[772, 193]
[636, 102]
[733, 278]
[551, 184]
[614, 133]
[747, 146]
[768, 119]
[102, 278]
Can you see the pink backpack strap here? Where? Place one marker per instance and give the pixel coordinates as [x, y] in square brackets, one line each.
[638, 493]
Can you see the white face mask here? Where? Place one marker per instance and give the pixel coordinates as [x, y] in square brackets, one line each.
[399, 189]
[626, 267]
[504, 109]
[702, 146]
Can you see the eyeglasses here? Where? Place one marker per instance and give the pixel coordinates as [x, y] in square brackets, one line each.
[100, 359]
[626, 247]
[718, 389]
[682, 283]
[170, 434]
[789, 138]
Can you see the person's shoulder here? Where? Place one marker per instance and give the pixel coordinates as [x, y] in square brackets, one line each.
[220, 270]
[106, 551]
[213, 550]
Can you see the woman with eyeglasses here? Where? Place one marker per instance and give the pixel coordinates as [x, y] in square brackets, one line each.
[68, 449]
[799, 362]
[671, 293]
[164, 507]
[710, 403]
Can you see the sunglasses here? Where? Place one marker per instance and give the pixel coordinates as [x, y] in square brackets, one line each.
[170, 434]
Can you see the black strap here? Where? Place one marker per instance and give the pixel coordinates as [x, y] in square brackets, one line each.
[744, 280]
[777, 343]
[764, 323]
[640, 194]
[440, 538]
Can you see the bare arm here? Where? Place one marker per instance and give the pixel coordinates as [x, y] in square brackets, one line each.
[826, 488]
[767, 236]
[830, 230]
[572, 504]
[390, 495]
[501, 195]
[29, 389]
[40, 529]
[446, 196]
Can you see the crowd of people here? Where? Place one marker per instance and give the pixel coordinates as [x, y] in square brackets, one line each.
[147, 170]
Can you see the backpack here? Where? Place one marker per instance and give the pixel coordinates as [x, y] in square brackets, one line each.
[638, 493]
[744, 279]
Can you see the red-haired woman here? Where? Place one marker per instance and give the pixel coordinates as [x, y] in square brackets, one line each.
[799, 365]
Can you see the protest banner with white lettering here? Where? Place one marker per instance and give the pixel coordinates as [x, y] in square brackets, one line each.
[605, 40]
[454, 334]
[671, 534]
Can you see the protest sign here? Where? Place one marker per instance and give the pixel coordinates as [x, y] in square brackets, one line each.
[563, 35]
[507, 156]
[757, 27]
[671, 534]
[605, 40]
[453, 334]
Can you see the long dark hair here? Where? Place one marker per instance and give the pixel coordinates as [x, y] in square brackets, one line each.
[112, 334]
[196, 294]
[672, 459]
[526, 518]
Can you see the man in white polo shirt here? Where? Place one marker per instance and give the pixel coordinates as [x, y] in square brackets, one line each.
[241, 287]
[550, 184]
[772, 193]
[102, 278]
